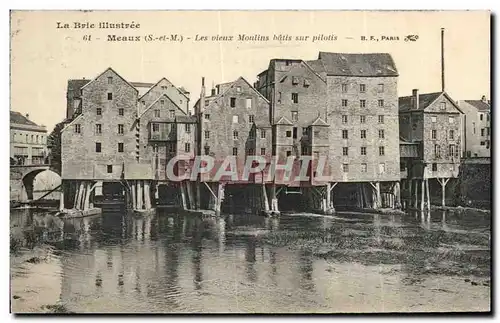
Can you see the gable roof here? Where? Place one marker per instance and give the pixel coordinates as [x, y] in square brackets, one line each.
[479, 105]
[164, 78]
[16, 117]
[158, 99]
[304, 63]
[346, 64]
[424, 101]
[284, 121]
[319, 122]
[72, 121]
[75, 86]
[110, 69]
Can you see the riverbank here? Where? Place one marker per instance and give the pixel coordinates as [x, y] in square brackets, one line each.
[460, 209]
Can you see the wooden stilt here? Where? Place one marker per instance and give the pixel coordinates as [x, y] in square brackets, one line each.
[86, 203]
[80, 195]
[220, 195]
[379, 199]
[422, 197]
[61, 197]
[274, 199]
[191, 202]
[365, 195]
[198, 195]
[397, 195]
[134, 198]
[410, 196]
[147, 196]
[264, 197]
[183, 195]
[140, 197]
[416, 194]
[428, 195]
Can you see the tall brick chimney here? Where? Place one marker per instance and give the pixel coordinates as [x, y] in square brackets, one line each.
[415, 99]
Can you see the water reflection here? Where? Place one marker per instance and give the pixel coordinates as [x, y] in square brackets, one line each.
[170, 263]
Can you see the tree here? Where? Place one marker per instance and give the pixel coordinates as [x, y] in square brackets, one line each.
[54, 142]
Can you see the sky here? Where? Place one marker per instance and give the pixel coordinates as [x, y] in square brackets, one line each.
[44, 57]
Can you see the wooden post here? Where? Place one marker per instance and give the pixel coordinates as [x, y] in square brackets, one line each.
[191, 204]
[264, 197]
[274, 199]
[410, 196]
[134, 199]
[416, 194]
[86, 203]
[80, 195]
[147, 196]
[328, 195]
[139, 195]
[397, 195]
[422, 197]
[183, 195]
[379, 200]
[61, 197]
[428, 194]
[198, 195]
[220, 196]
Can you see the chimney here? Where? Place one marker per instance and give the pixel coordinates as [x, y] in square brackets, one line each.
[442, 60]
[483, 98]
[415, 98]
[27, 116]
[213, 91]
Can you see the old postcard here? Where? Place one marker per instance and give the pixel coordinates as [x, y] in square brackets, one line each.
[250, 162]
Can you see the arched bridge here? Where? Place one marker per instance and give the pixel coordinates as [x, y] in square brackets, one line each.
[22, 178]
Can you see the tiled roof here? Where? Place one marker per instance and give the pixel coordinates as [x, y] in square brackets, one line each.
[405, 102]
[16, 117]
[142, 84]
[480, 105]
[185, 119]
[343, 64]
[74, 86]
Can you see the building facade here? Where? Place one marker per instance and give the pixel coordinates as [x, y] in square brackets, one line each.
[28, 141]
[477, 127]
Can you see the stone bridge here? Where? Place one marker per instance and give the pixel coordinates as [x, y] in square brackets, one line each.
[22, 178]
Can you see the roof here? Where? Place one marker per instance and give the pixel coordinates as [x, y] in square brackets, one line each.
[284, 121]
[155, 84]
[403, 141]
[16, 117]
[479, 104]
[110, 69]
[185, 119]
[319, 122]
[405, 102]
[142, 84]
[344, 64]
[158, 99]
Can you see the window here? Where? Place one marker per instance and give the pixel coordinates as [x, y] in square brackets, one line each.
[98, 111]
[207, 134]
[263, 151]
[121, 111]
[451, 150]
[155, 148]
[207, 103]
[288, 153]
[362, 119]
[437, 151]
[345, 151]
[345, 168]
[143, 103]
[172, 114]
[363, 167]
[362, 103]
[232, 102]
[482, 143]
[98, 129]
[249, 103]
[316, 134]
[171, 148]
[288, 134]
[344, 119]
[251, 135]
[110, 96]
[109, 169]
[235, 151]
[187, 127]
[451, 134]
[262, 133]
[207, 150]
[279, 97]
[305, 131]
[78, 129]
[295, 97]
[97, 147]
[451, 119]
[250, 152]
[238, 89]
[381, 119]
[344, 102]
[381, 151]
[362, 88]
[304, 150]
[156, 127]
[381, 168]
[187, 147]
[235, 135]
[433, 119]
[363, 151]
[434, 167]
[120, 129]
[157, 113]
[381, 134]
[294, 132]
[363, 134]
[482, 132]
[344, 88]
[443, 106]
[474, 127]
[295, 116]
[295, 80]
[381, 88]
[120, 147]
[345, 134]
[380, 103]
[110, 80]
[307, 82]
[235, 119]
[207, 116]
[434, 134]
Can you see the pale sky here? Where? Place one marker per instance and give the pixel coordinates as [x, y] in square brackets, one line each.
[43, 57]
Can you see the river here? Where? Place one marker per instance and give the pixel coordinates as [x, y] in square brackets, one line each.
[167, 263]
